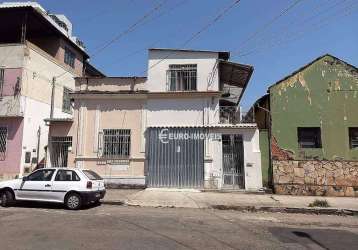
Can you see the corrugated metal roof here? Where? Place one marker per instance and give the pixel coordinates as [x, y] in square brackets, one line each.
[240, 125]
[225, 55]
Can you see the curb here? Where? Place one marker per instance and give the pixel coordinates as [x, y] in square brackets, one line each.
[296, 210]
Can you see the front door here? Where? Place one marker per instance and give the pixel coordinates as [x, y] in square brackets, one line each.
[38, 185]
[233, 162]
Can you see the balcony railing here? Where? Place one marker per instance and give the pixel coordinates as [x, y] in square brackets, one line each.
[232, 115]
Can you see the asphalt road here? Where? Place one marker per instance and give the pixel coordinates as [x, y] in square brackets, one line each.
[118, 227]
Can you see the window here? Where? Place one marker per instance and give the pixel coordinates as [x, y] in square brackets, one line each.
[66, 175]
[92, 175]
[28, 157]
[66, 101]
[41, 175]
[2, 80]
[116, 142]
[353, 137]
[3, 143]
[70, 57]
[309, 137]
[182, 77]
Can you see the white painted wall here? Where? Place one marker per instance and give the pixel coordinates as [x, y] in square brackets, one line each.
[252, 156]
[206, 62]
[12, 55]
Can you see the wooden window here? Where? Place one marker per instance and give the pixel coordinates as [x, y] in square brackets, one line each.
[66, 101]
[309, 137]
[70, 57]
[353, 137]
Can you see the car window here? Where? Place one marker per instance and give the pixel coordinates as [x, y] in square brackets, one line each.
[92, 175]
[66, 175]
[41, 175]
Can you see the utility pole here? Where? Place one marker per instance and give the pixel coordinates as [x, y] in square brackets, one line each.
[49, 149]
[52, 97]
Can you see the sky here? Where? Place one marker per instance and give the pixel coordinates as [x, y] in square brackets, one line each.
[274, 48]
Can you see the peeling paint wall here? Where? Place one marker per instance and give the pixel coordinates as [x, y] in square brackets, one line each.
[325, 95]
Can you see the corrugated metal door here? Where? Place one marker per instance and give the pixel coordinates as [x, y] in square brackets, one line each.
[175, 157]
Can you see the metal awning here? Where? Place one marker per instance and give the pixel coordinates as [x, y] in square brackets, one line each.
[233, 79]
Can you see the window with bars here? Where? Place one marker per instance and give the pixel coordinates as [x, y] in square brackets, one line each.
[116, 143]
[2, 80]
[353, 137]
[3, 142]
[309, 137]
[66, 101]
[182, 77]
[69, 57]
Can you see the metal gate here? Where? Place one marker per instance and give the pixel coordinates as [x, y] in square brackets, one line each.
[59, 150]
[233, 162]
[175, 157]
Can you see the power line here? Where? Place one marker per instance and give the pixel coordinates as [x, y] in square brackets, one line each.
[286, 27]
[131, 28]
[198, 33]
[268, 24]
[294, 36]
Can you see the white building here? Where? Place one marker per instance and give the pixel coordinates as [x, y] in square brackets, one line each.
[195, 135]
[39, 58]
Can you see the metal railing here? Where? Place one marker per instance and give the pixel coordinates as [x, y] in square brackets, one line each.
[233, 115]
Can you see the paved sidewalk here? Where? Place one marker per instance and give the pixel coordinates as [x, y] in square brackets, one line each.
[234, 200]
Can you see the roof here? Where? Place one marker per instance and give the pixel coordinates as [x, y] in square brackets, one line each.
[39, 11]
[309, 64]
[224, 55]
[111, 77]
[229, 126]
[92, 71]
[235, 74]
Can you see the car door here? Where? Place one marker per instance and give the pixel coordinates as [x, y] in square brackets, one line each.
[65, 180]
[37, 186]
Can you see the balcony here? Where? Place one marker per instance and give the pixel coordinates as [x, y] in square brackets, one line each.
[233, 115]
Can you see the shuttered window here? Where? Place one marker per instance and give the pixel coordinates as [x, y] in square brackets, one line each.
[353, 137]
[116, 143]
[66, 101]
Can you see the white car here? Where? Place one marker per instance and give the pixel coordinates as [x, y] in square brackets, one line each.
[73, 187]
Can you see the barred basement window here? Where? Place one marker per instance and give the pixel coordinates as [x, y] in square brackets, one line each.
[2, 73]
[69, 57]
[116, 143]
[353, 137]
[3, 143]
[309, 137]
[66, 100]
[182, 77]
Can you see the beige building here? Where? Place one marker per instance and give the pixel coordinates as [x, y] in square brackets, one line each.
[106, 133]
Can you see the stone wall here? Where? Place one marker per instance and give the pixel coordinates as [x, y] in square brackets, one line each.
[323, 178]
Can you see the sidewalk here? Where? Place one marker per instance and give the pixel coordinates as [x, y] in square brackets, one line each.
[236, 201]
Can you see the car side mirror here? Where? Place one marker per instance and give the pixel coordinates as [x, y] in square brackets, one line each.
[24, 178]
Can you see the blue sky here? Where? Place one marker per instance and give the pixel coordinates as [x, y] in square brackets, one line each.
[310, 29]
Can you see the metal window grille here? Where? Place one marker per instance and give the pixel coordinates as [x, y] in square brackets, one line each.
[353, 137]
[309, 137]
[69, 57]
[116, 143]
[2, 74]
[182, 77]
[66, 100]
[59, 150]
[3, 142]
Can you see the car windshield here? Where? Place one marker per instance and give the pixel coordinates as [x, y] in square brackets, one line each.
[92, 175]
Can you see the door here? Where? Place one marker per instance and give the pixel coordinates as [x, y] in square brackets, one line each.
[59, 150]
[233, 162]
[64, 180]
[37, 186]
[175, 157]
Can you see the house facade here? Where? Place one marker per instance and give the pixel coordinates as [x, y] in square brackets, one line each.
[314, 129]
[180, 127]
[39, 59]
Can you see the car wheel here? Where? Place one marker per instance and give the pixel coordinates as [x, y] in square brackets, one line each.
[7, 199]
[73, 201]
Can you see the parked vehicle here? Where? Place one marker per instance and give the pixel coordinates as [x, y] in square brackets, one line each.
[73, 187]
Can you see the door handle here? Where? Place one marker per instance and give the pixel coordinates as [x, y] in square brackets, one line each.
[47, 185]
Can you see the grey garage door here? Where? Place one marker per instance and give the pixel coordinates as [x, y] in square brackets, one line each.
[175, 157]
